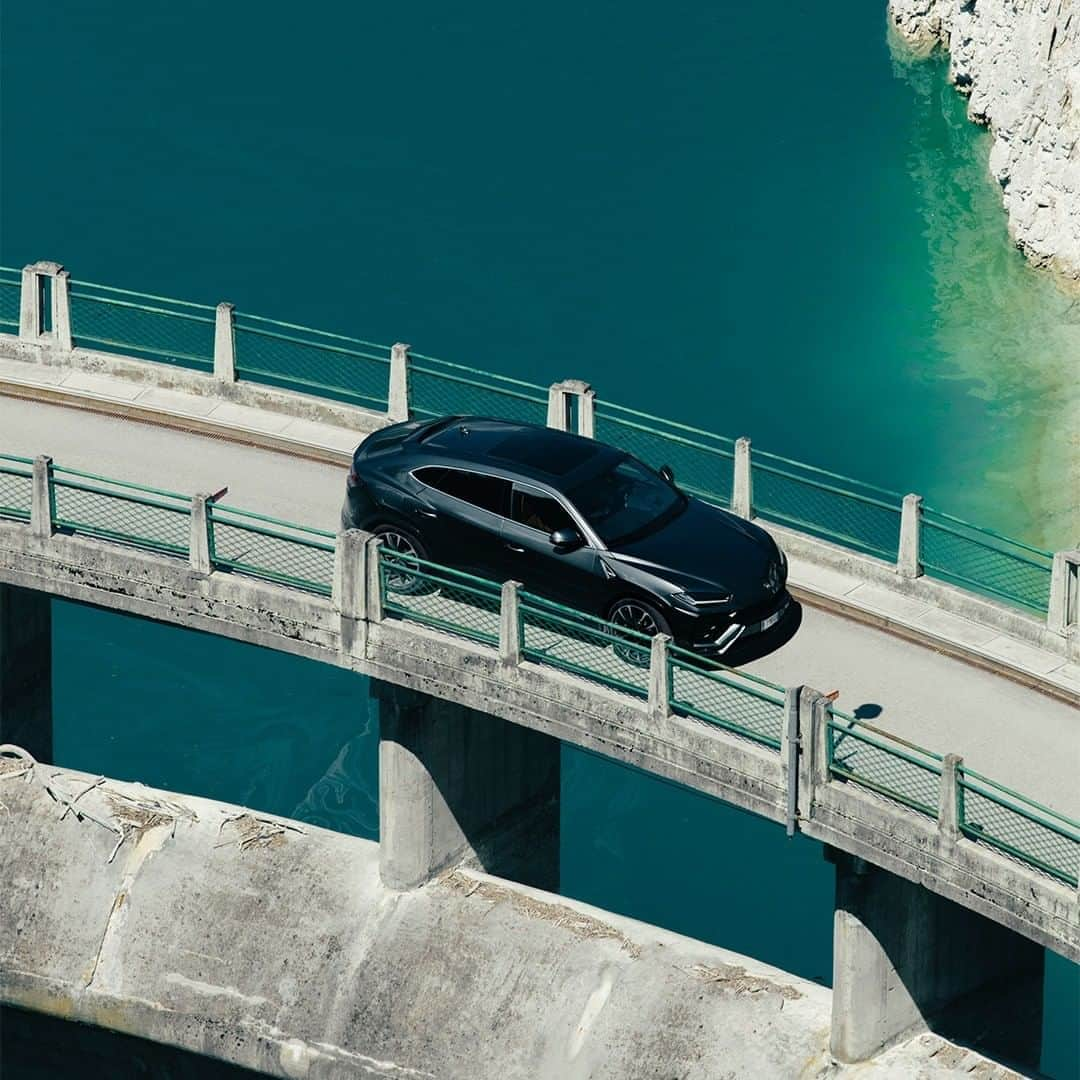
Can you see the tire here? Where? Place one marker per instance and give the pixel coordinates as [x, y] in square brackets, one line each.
[399, 540]
[639, 615]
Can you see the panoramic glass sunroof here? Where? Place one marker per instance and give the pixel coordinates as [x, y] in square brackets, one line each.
[553, 454]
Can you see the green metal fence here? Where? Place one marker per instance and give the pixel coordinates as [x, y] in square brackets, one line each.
[270, 549]
[439, 388]
[16, 487]
[437, 596]
[702, 461]
[10, 294]
[311, 361]
[142, 325]
[985, 562]
[740, 702]
[1018, 826]
[86, 504]
[876, 760]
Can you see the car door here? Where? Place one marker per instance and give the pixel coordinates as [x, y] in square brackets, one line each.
[465, 518]
[570, 578]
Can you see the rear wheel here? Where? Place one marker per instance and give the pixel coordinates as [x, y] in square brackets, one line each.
[400, 541]
[639, 617]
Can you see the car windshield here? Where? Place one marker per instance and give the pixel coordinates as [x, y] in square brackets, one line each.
[626, 502]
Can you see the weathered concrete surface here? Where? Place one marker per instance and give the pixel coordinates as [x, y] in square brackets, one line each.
[904, 957]
[275, 946]
[455, 783]
[699, 755]
[1018, 61]
[26, 670]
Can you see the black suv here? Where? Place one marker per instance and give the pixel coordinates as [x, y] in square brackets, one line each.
[572, 519]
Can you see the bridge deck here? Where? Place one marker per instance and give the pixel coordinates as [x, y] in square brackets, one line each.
[1017, 735]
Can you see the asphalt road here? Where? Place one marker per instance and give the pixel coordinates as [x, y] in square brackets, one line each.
[1017, 736]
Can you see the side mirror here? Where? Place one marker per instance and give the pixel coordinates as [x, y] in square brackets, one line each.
[667, 474]
[566, 540]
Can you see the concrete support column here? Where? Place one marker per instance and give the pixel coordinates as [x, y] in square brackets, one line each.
[742, 486]
[26, 670]
[1064, 611]
[660, 678]
[32, 323]
[456, 784]
[560, 412]
[908, 561]
[906, 959]
[41, 498]
[510, 629]
[397, 408]
[350, 589]
[225, 343]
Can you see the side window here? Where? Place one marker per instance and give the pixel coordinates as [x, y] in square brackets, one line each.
[486, 492]
[539, 512]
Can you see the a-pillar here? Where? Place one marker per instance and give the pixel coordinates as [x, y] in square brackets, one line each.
[906, 959]
[26, 670]
[456, 784]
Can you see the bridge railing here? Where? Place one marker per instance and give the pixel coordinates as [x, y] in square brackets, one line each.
[521, 627]
[856, 515]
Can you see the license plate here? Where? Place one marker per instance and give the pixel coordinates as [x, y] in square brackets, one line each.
[772, 620]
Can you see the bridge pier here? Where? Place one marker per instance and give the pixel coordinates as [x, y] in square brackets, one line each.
[906, 959]
[26, 670]
[454, 784]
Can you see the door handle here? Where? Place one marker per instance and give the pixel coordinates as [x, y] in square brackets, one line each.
[516, 548]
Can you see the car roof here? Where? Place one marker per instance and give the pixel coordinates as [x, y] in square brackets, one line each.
[518, 450]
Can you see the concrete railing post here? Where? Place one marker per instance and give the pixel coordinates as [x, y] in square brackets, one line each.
[32, 324]
[397, 408]
[560, 410]
[511, 634]
[909, 558]
[41, 498]
[1064, 610]
[742, 487]
[810, 754]
[949, 799]
[659, 678]
[789, 756]
[199, 535]
[373, 606]
[225, 343]
[349, 594]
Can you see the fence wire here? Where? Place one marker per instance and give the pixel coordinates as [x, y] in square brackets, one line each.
[10, 299]
[908, 775]
[741, 704]
[147, 327]
[437, 388]
[1022, 829]
[312, 361]
[16, 487]
[269, 549]
[977, 559]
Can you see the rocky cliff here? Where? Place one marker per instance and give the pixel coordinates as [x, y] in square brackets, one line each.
[1018, 62]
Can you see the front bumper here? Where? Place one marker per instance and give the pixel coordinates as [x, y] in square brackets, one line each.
[715, 637]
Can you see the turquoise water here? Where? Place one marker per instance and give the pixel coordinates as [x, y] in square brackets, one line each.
[766, 227]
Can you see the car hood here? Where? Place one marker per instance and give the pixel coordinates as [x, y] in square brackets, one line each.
[707, 548]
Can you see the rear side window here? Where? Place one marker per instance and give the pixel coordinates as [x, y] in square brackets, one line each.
[486, 492]
[540, 512]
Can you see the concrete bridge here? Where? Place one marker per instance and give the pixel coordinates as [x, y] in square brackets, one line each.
[971, 866]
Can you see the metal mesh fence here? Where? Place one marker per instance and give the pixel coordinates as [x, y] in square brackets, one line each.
[702, 462]
[143, 326]
[739, 703]
[88, 505]
[271, 550]
[864, 518]
[436, 596]
[10, 293]
[976, 559]
[583, 645]
[312, 361]
[911, 776]
[1018, 827]
[16, 487]
[437, 388]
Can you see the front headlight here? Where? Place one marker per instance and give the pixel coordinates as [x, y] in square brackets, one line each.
[701, 603]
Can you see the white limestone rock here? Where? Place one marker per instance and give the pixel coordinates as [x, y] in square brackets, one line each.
[1019, 63]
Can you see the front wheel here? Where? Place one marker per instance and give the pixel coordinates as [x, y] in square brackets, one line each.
[638, 617]
[399, 541]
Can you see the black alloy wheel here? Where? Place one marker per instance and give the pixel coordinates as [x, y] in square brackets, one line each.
[638, 617]
[398, 541]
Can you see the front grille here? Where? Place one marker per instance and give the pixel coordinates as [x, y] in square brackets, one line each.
[758, 612]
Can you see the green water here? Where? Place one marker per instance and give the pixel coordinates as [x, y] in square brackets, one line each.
[788, 227]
